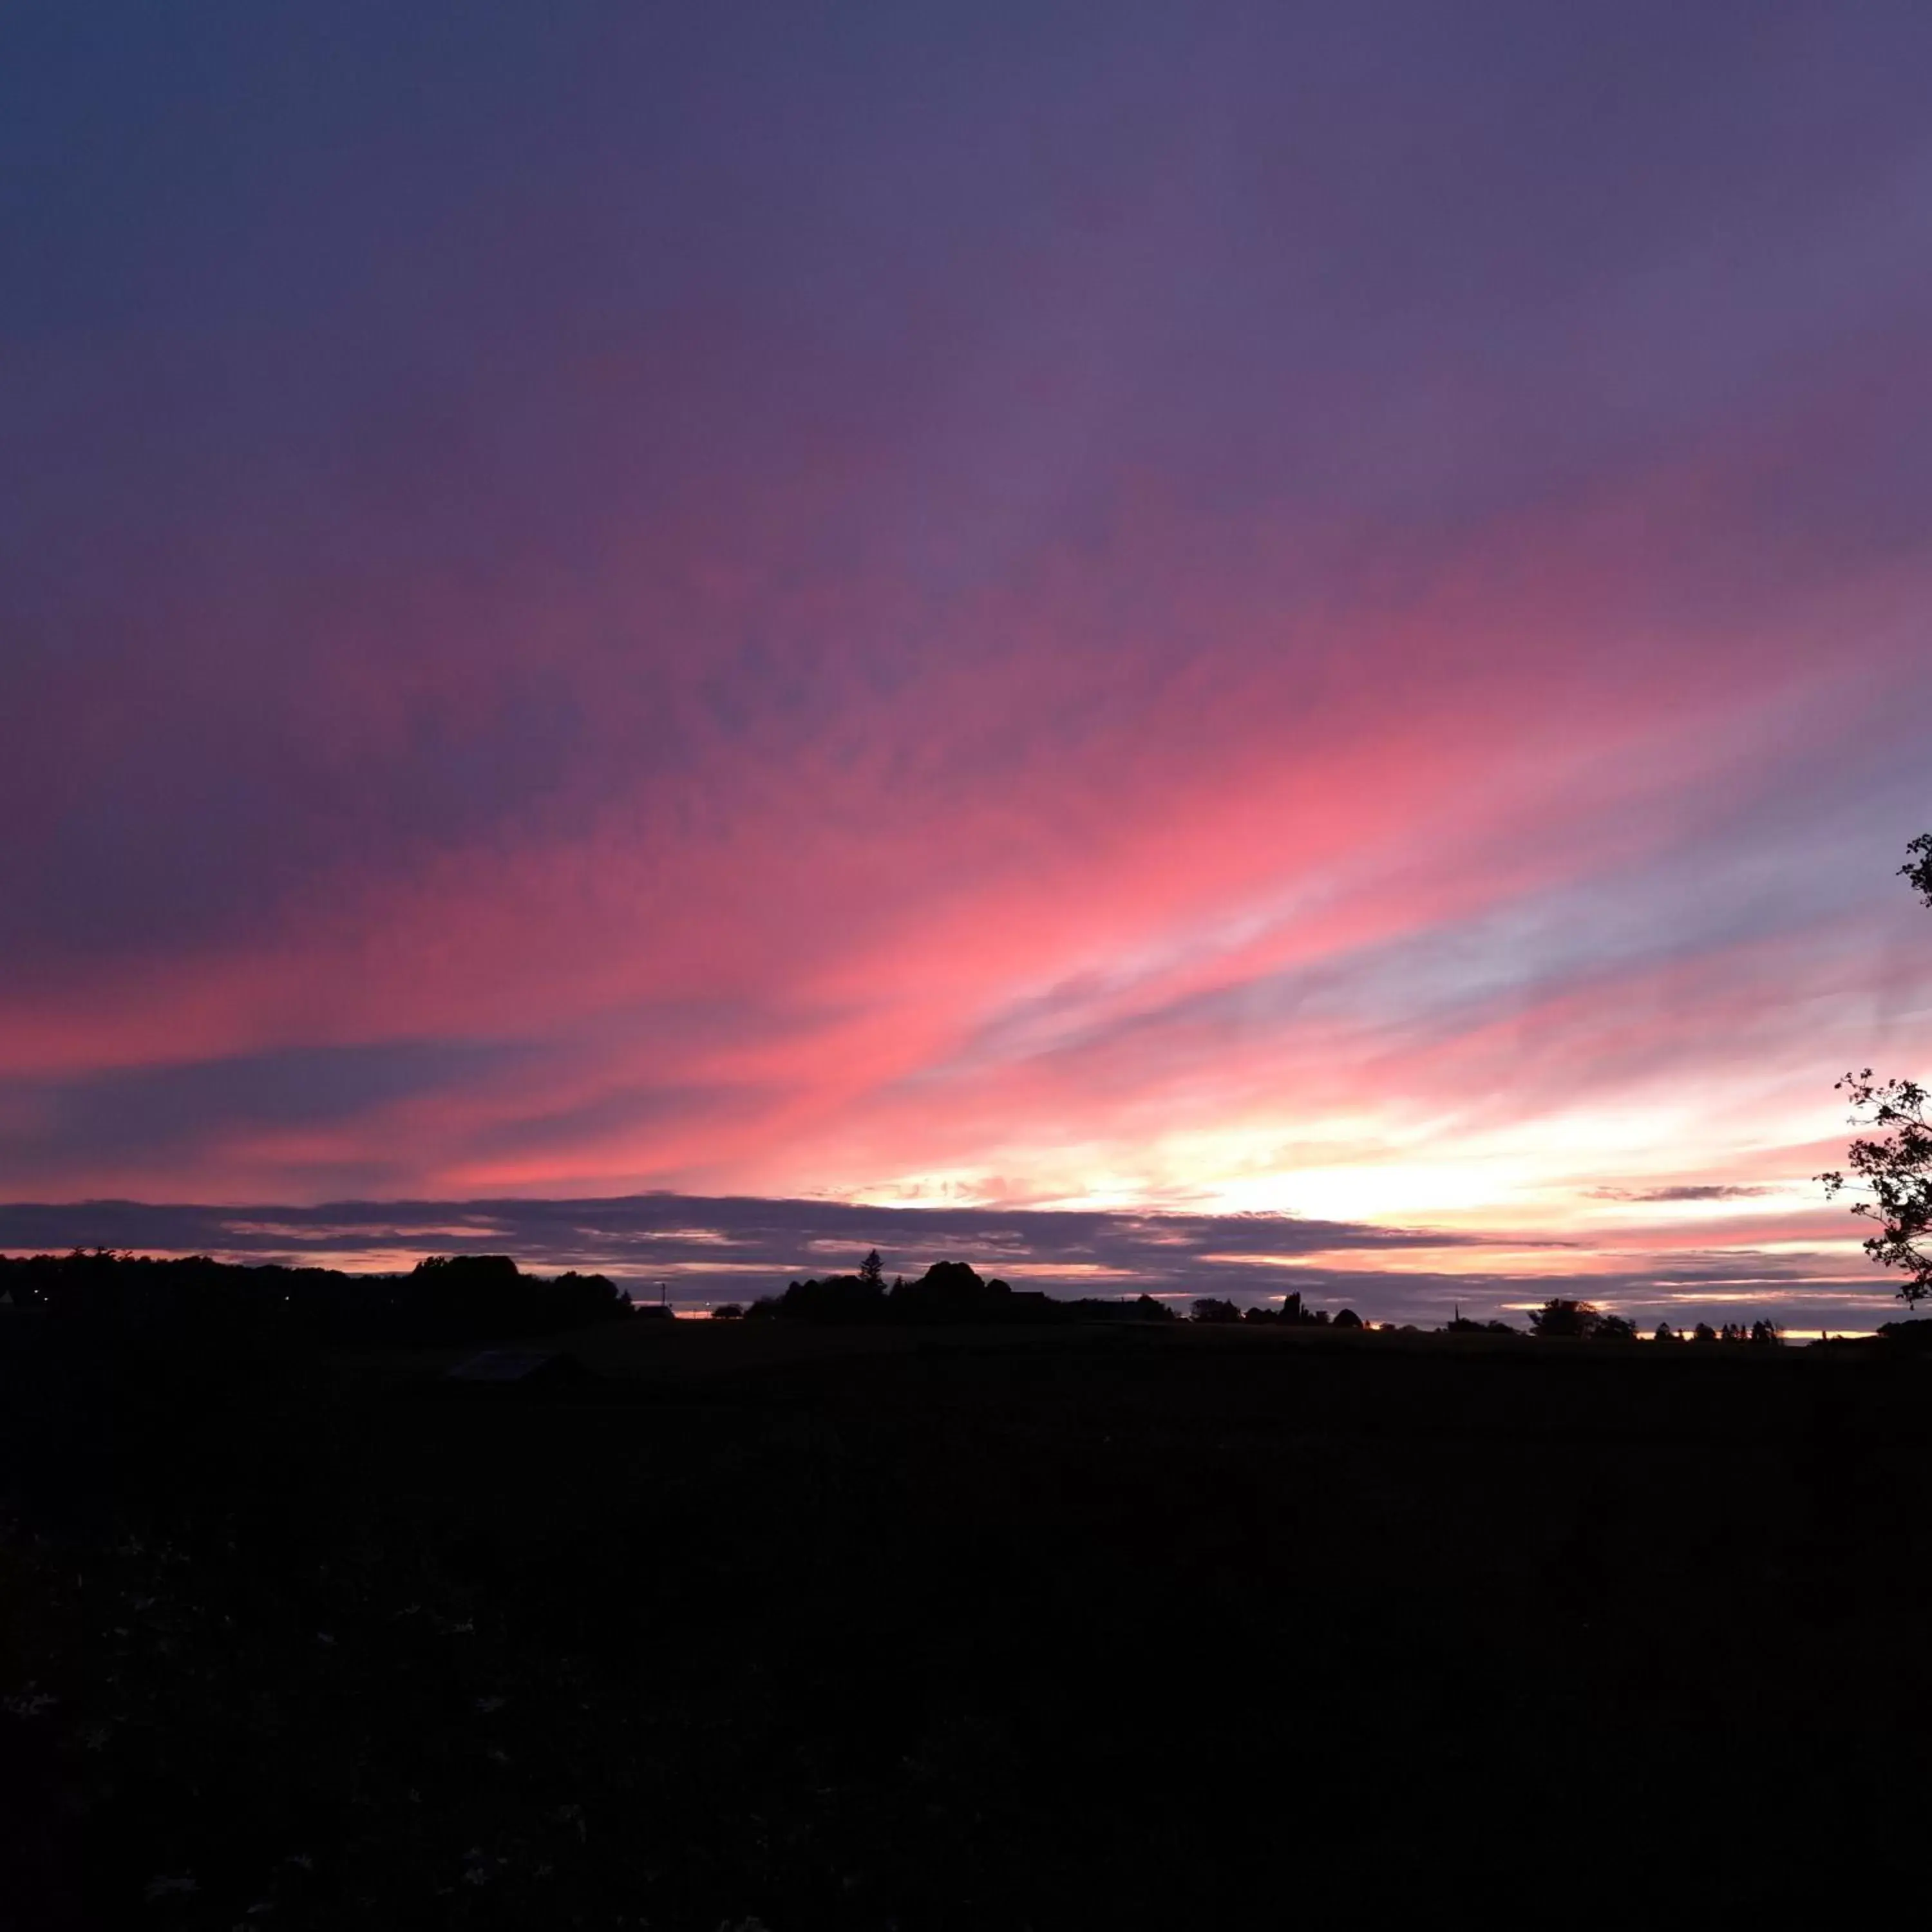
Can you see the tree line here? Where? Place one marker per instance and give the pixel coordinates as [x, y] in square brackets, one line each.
[474, 1298]
[444, 1298]
[954, 1291]
[948, 1291]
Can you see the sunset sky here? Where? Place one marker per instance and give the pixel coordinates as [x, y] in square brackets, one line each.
[1209, 611]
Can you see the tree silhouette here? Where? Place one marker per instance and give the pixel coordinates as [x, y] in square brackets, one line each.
[1559, 1317]
[838, 1298]
[1584, 1321]
[1893, 1162]
[951, 1292]
[1917, 870]
[1211, 1308]
[872, 1270]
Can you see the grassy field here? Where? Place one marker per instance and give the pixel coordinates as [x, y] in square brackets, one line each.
[880, 1628]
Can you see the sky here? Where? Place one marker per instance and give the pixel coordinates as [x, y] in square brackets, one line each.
[1291, 633]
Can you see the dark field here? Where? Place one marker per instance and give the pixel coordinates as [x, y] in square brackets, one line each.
[873, 1628]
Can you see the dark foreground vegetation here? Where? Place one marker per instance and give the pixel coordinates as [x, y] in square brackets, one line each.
[1090, 1624]
[220, 1304]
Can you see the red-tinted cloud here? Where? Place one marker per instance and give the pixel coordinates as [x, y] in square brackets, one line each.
[809, 637]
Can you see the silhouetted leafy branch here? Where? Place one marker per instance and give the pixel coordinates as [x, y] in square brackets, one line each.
[1894, 1164]
[1891, 1161]
[1917, 870]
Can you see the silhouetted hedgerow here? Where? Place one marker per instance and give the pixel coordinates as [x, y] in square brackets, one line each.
[446, 1297]
[948, 1292]
[952, 1291]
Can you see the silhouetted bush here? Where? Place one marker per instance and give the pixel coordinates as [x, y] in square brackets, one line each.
[1914, 1337]
[1099, 1308]
[1571, 1320]
[948, 1291]
[1347, 1318]
[1294, 1313]
[1580, 1320]
[953, 1291]
[1207, 1308]
[837, 1299]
